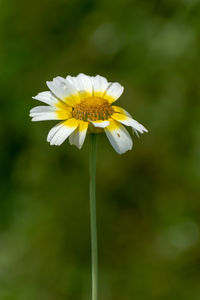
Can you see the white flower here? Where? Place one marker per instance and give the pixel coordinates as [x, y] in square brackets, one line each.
[85, 103]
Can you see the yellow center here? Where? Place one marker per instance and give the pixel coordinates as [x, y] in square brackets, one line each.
[93, 108]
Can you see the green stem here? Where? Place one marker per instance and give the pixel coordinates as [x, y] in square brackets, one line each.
[93, 152]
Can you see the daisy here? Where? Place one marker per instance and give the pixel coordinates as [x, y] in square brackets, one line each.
[85, 103]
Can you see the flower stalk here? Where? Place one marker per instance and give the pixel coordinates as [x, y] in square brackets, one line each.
[93, 155]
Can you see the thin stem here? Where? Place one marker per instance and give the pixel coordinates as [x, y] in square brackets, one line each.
[93, 152]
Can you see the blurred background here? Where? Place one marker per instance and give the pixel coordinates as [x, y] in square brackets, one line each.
[148, 199]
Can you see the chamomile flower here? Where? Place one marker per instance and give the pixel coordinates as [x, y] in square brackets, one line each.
[84, 103]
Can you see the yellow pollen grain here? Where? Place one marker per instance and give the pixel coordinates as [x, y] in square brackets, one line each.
[93, 108]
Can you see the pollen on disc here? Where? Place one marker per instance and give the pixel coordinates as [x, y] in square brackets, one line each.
[93, 108]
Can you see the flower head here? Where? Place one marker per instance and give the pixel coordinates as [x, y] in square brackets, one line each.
[84, 103]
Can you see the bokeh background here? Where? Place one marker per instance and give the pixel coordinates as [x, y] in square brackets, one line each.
[148, 199]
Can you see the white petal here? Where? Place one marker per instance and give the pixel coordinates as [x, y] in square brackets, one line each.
[101, 124]
[62, 88]
[46, 97]
[119, 137]
[85, 83]
[43, 113]
[100, 84]
[114, 91]
[129, 122]
[58, 134]
[82, 84]
[77, 138]
[53, 131]
[73, 81]
[41, 109]
[45, 117]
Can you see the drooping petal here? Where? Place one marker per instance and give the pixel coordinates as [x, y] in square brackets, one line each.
[119, 137]
[43, 113]
[46, 97]
[113, 92]
[100, 123]
[121, 110]
[129, 122]
[77, 138]
[64, 90]
[100, 84]
[58, 134]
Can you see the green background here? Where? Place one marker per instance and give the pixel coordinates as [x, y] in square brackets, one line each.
[148, 199]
